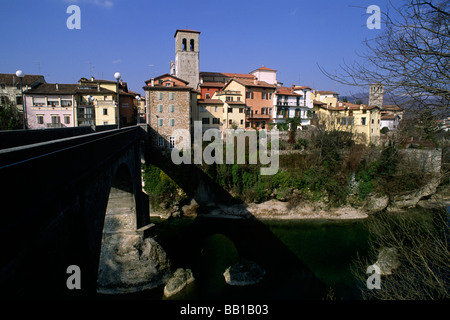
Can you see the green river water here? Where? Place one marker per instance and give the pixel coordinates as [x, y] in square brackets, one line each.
[303, 259]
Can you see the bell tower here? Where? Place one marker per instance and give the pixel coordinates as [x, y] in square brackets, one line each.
[376, 95]
[187, 56]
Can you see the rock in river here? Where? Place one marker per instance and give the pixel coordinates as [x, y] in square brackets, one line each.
[179, 280]
[244, 273]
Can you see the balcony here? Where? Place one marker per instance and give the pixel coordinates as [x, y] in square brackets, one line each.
[228, 92]
[254, 115]
[281, 103]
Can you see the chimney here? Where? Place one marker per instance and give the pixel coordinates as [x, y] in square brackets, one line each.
[57, 87]
[153, 82]
[98, 86]
[92, 78]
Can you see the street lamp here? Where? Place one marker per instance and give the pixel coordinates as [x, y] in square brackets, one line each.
[138, 98]
[20, 75]
[117, 75]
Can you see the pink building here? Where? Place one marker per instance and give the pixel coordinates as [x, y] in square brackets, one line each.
[51, 105]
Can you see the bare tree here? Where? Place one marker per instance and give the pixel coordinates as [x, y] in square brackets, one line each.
[410, 57]
[421, 245]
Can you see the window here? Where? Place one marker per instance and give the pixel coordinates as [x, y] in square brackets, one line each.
[363, 121]
[205, 120]
[172, 108]
[216, 121]
[192, 45]
[241, 110]
[242, 121]
[160, 95]
[56, 119]
[19, 100]
[105, 111]
[172, 96]
[230, 121]
[202, 109]
[66, 103]
[184, 44]
[171, 142]
[373, 121]
[160, 122]
[229, 98]
[238, 98]
[207, 96]
[172, 122]
[215, 109]
[66, 119]
[364, 111]
[160, 108]
[248, 95]
[54, 103]
[105, 123]
[263, 110]
[160, 141]
[247, 124]
[40, 119]
[230, 110]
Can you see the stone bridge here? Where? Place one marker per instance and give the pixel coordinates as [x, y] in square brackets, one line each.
[54, 198]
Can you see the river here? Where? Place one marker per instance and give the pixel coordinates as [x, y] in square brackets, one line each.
[303, 259]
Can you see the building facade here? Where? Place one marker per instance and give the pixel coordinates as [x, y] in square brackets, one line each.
[170, 106]
[364, 122]
[51, 105]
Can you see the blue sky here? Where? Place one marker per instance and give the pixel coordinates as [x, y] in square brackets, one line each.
[135, 37]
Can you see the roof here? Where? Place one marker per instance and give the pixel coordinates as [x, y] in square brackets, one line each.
[11, 79]
[54, 88]
[166, 75]
[93, 80]
[286, 91]
[301, 87]
[327, 92]
[227, 75]
[253, 83]
[185, 30]
[210, 101]
[235, 102]
[212, 84]
[389, 116]
[263, 68]
[318, 102]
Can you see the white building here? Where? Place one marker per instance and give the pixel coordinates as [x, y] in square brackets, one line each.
[294, 102]
[266, 74]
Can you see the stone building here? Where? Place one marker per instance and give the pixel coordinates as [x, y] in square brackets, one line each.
[171, 105]
[10, 92]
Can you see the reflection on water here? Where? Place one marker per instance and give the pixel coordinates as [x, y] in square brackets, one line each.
[303, 259]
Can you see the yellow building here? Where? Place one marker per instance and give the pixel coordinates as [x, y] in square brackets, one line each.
[330, 98]
[96, 105]
[361, 120]
[210, 112]
[233, 98]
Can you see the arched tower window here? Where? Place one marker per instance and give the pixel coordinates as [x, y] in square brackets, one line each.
[192, 46]
[184, 44]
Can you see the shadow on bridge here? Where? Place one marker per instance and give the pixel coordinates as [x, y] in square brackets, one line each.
[287, 276]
